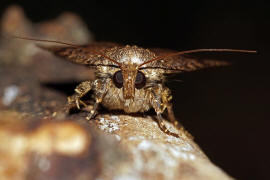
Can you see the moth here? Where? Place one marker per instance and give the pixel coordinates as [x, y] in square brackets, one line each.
[130, 78]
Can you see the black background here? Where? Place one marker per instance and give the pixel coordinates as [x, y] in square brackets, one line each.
[226, 109]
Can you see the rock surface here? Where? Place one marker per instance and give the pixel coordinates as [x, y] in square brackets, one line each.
[38, 142]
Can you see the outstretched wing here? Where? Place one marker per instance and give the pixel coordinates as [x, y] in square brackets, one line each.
[89, 55]
[181, 63]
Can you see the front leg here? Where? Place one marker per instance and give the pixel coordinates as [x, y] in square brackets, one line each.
[166, 98]
[80, 91]
[159, 106]
[165, 104]
[175, 122]
[100, 88]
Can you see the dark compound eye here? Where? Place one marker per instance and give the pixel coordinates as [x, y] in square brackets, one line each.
[118, 79]
[140, 80]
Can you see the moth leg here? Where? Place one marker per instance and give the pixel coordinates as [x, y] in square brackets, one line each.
[80, 91]
[159, 108]
[163, 127]
[101, 88]
[166, 98]
[93, 111]
[171, 116]
[175, 122]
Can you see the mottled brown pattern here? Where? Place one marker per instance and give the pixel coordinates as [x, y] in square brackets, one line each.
[82, 54]
[182, 63]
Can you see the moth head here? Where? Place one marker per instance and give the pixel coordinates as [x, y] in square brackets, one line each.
[130, 77]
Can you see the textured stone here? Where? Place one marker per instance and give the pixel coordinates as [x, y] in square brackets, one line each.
[153, 154]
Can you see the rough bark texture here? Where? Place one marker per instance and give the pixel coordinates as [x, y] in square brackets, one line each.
[39, 143]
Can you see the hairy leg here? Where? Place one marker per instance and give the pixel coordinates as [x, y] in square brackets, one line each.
[159, 107]
[101, 88]
[171, 115]
[166, 98]
[175, 122]
[80, 91]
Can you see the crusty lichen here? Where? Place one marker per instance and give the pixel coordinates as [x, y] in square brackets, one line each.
[152, 153]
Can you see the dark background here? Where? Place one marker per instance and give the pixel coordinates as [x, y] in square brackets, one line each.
[226, 109]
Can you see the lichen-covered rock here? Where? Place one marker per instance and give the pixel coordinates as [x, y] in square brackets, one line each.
[124, 147]
[153, 154]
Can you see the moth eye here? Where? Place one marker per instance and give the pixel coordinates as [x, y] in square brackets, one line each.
[140, 80]
[118, 79]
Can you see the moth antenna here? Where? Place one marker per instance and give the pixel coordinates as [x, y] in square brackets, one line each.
[41, 40]
[195, 51]
[62, 43]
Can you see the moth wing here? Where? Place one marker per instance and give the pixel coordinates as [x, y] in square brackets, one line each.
[183, 63]
[85, 54]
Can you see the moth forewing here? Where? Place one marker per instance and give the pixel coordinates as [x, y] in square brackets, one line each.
[91, 55]
[173, 60]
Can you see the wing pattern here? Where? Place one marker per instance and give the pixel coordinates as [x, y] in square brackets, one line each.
[182, 63]
[85, 55]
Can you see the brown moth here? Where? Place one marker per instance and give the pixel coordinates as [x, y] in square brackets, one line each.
[130, 78]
